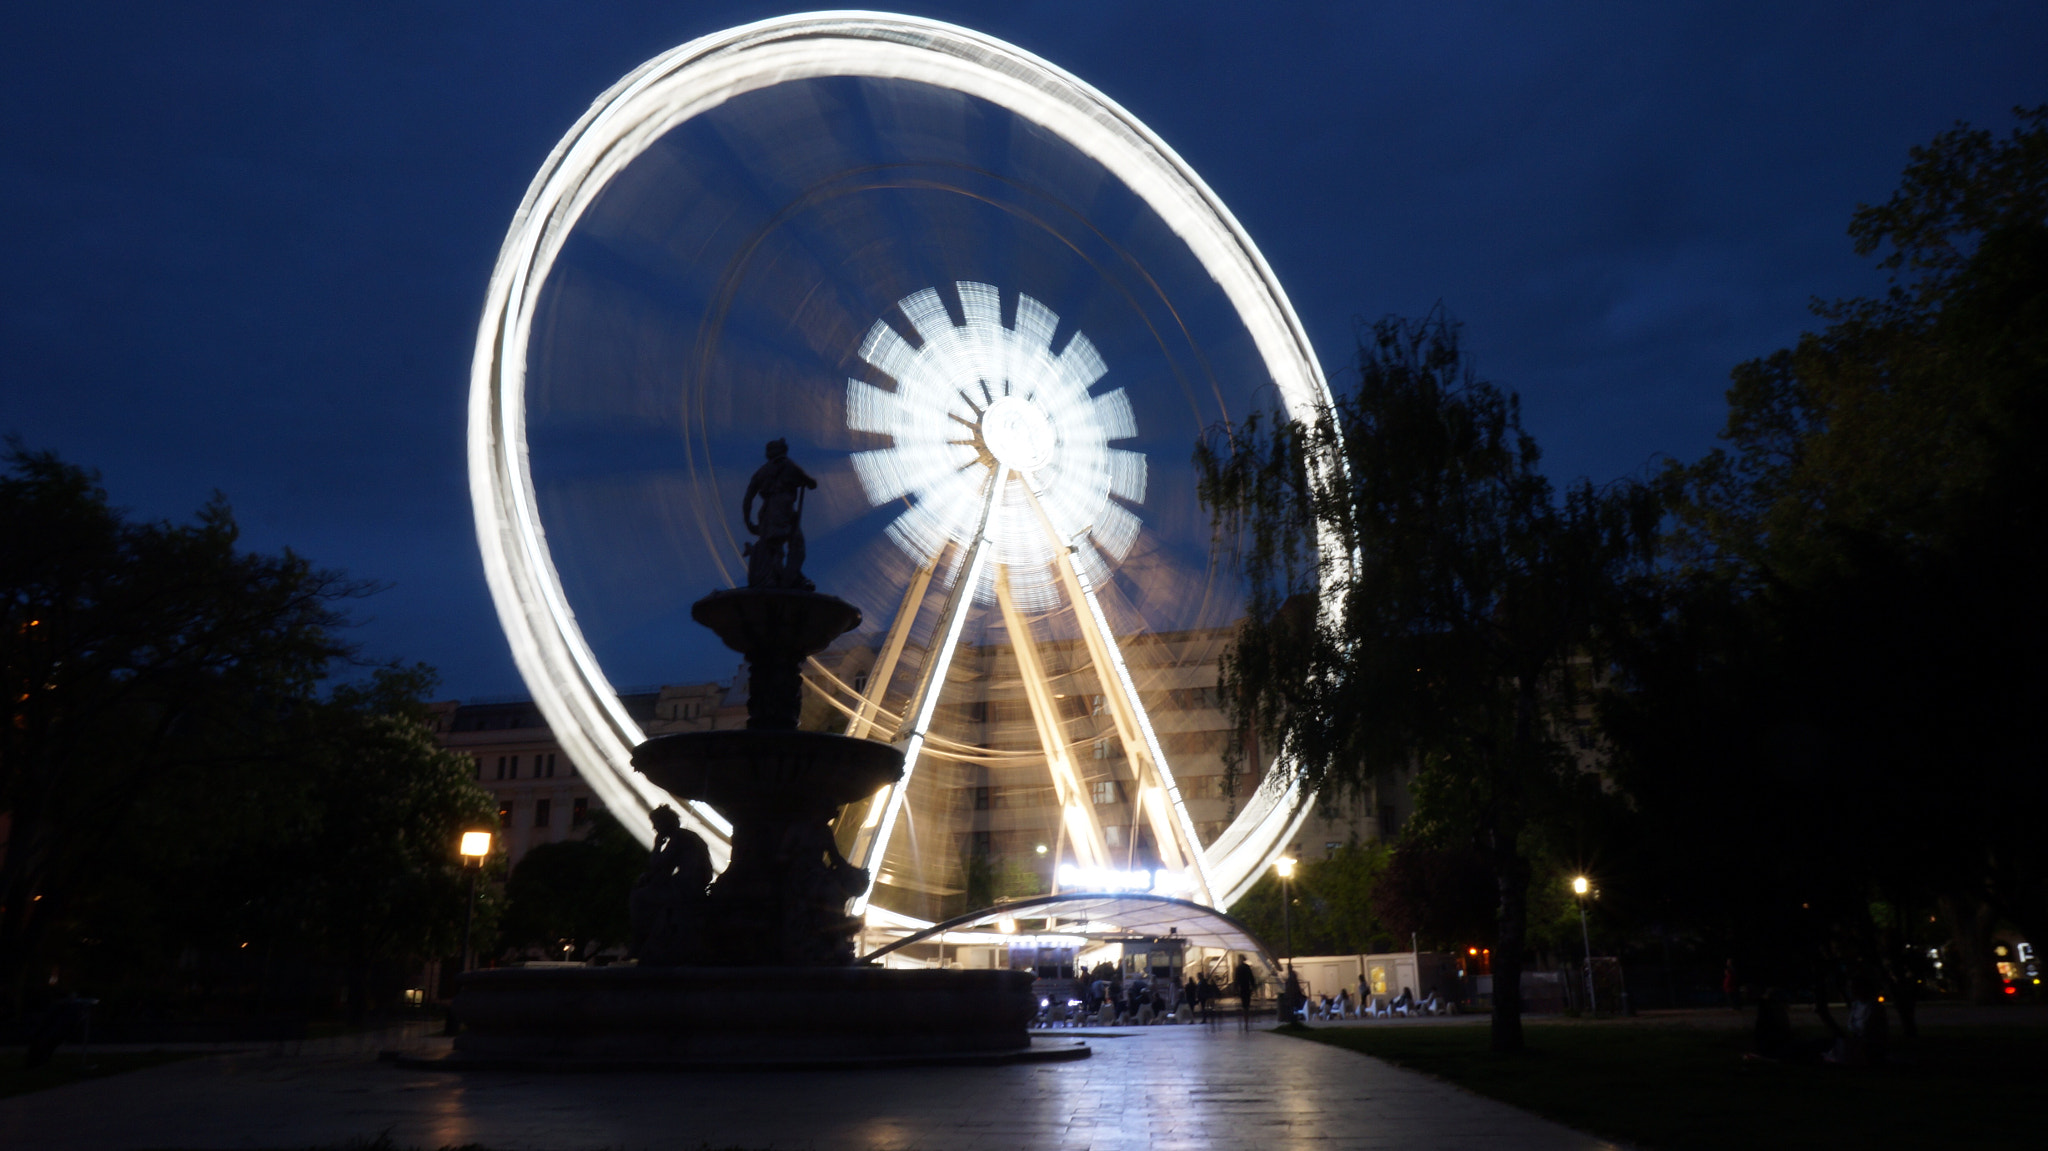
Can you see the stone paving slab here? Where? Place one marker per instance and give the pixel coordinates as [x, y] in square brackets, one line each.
[1164, 1088]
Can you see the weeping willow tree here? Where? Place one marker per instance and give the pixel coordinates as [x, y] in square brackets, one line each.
[1421, 597]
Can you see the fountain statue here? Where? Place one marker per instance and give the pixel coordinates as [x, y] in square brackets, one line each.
[756, 966]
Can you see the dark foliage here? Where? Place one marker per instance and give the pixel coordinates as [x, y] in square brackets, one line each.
[1442, 897]
[1422, 597]
[186, 808]
[1828, 717]
[574, 892]
[1333, 911]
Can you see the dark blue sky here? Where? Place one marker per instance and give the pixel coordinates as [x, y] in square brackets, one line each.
[246, 244]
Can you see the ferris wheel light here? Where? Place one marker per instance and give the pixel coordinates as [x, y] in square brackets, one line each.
[982, 393]
[554, 657]
[1153, 881]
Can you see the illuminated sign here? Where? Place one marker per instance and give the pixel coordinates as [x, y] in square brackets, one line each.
[1154, 881]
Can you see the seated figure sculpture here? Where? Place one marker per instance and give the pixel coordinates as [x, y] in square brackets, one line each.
[819, 883]
[667, 904]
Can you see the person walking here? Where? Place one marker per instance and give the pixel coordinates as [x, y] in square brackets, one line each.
[1292, 1000]
[1244, 984]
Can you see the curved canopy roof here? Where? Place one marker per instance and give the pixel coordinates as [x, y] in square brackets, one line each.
[1099, 915]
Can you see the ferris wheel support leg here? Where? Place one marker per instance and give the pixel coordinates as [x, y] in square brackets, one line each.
[1077, 814]
[864, 722]
[1172, 829]
[931, 685]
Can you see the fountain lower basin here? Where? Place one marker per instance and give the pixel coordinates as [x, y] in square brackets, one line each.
[744, 1017]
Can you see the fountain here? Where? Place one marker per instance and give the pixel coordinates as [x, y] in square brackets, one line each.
[758, 967]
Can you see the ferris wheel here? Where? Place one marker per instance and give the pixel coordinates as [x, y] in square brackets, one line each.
[991, 311]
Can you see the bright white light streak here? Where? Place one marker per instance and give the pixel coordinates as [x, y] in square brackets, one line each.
[1095, 628]
[1123, 676]
[1153, 881]
[956, 619]
[570, 690]
[1029, 409]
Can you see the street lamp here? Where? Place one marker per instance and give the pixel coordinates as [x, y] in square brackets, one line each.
[1579, 888]
[1285, 866]
[475, 846]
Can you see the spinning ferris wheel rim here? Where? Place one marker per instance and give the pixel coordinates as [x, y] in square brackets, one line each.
[561, 670]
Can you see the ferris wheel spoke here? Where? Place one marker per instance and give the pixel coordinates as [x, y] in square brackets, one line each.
[1077, 813]
[864, 721]
[1158, 797]
[918, 713]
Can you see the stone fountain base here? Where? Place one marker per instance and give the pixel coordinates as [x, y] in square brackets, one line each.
[712, 1018]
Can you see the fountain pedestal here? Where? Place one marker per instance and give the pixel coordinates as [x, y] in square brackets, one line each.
[765, 974]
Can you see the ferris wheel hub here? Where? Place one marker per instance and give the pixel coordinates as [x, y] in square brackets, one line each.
[1018, 434]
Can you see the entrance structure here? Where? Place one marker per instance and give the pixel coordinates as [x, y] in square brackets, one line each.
[1077, 921]
[1000, 432]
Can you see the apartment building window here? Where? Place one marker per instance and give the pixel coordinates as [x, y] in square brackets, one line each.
[544, 766]
[983, 842]
[981, 799]
[505, 813]
[501, 767]
[1102, 749]
[511, 767]
[579, 812]
[860, 682]
[1104, 791]
[477, 761]
[1330, 848]
[1112, 835]
[542, 809]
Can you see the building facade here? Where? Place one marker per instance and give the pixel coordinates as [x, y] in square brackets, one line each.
[984, 820]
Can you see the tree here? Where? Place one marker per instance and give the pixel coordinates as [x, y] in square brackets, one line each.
[1436, 896]
[378, 867]
[575, 890]
[1333, 911]
[1419, 595]
[1855, 628]
[176, 780]
[131, 653]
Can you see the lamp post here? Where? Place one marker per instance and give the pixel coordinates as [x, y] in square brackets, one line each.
[475, 846]
[1285, 866]
[1579, 888]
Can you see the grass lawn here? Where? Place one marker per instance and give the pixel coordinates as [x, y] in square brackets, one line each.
[68, 1067]
[1670, 1086]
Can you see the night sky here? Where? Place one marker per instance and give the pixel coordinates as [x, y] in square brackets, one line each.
[247, 244]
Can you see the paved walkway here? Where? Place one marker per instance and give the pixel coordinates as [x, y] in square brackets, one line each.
[1160, 1087]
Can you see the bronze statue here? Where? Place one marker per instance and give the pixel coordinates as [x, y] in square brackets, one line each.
[667, 904]
[776, 558]
[817, 882]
